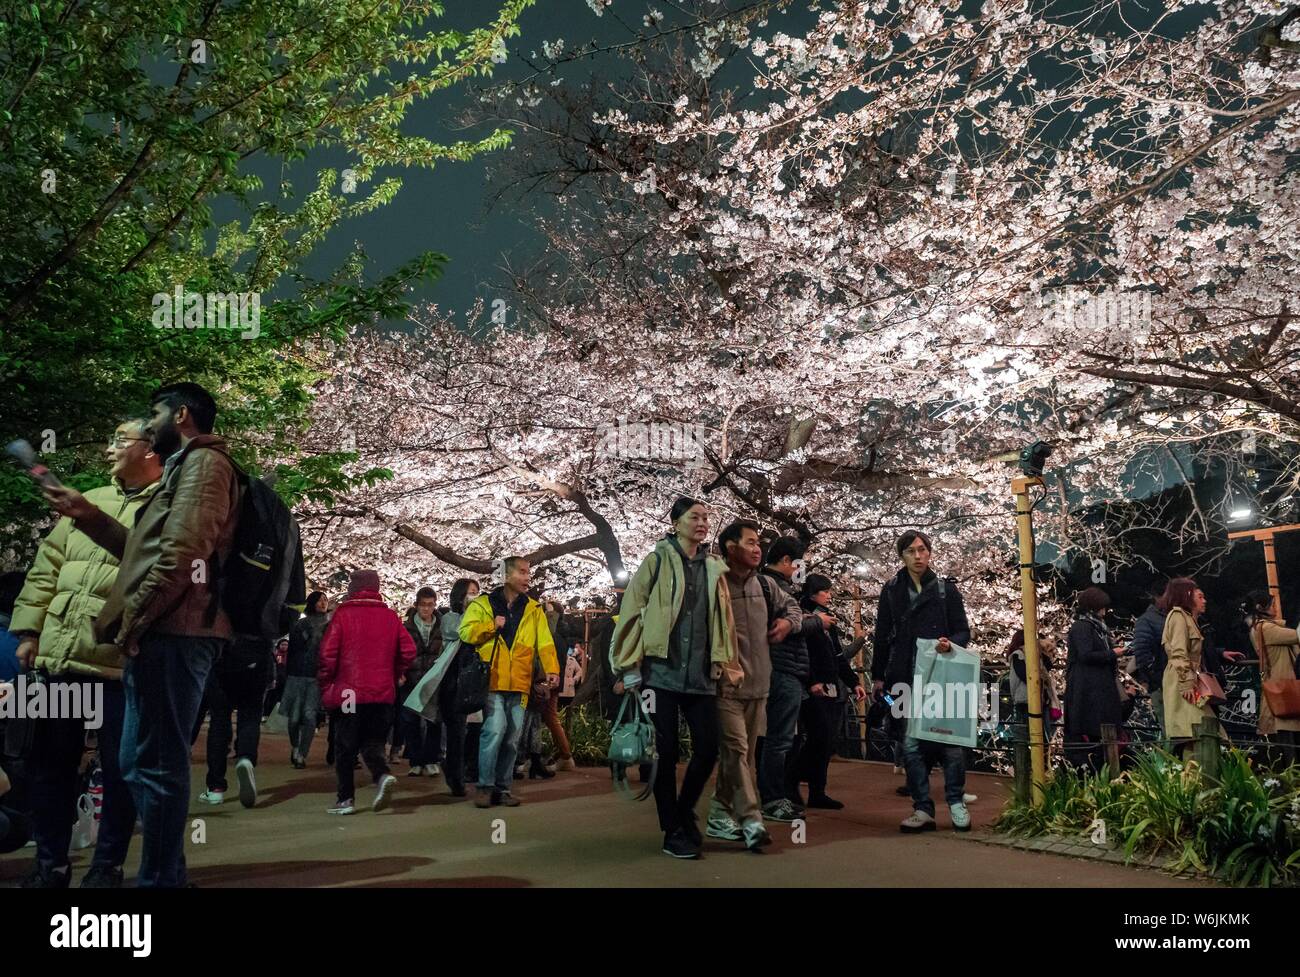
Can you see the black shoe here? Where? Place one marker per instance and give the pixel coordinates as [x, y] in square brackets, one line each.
[538, 769]
[679, 845]
[102, 877]
[457, 791]
[691, 828]
[42, 878]
[903, 791]
[825, 803]
[298, 764]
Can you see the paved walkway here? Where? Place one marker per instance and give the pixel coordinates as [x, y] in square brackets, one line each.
[575, 831]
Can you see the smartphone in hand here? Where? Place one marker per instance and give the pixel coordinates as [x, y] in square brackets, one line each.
[25, 455]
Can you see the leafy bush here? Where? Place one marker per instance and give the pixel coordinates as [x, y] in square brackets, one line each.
[1244, 827]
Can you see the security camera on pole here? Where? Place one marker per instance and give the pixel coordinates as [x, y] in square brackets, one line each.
[1031, 466]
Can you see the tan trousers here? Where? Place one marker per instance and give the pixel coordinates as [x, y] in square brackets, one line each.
[740, 723]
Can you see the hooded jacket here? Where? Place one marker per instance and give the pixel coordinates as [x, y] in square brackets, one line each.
[67, 586]
[526, 638]
[648, 614]
[365, 650]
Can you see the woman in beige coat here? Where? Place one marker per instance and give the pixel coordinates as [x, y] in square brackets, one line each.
[1183, 602]
[1277, 647]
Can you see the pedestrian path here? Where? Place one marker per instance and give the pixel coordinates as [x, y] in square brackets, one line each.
[574, 830]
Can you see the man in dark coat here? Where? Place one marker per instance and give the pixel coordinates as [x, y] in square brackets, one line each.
[422, 739]
[1149, 658]
[919, 604]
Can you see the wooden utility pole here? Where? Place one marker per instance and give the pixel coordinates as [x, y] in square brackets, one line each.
[1029, 599]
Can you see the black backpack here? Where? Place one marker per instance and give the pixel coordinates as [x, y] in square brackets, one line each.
[262, 585]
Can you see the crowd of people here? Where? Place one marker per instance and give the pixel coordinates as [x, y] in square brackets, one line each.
[725, 637]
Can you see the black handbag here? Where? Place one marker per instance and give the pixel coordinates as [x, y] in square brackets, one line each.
[473, 680]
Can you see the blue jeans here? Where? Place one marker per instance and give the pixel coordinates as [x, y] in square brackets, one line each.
[785, 696]
[917, 758]
[56, 787]
[164, 686]
[503, 720]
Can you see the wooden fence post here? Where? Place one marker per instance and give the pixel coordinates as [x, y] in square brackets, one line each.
[1208, 751]
[1020, 740]
[1110, 740]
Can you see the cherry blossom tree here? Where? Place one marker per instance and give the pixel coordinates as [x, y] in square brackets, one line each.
[913, 240]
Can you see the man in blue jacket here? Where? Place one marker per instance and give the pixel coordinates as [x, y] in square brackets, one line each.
[1149, 655]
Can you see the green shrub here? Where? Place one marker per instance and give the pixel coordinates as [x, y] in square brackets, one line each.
[1245, 826]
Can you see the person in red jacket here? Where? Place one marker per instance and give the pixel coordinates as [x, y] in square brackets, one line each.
[364, 655]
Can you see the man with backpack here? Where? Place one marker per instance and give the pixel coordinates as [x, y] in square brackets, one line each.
[919, 604]
[758, 608]
[508, 629]
[165, 611]
[674, 635]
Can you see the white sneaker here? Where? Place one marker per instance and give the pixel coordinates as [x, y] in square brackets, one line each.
[213, 797]
[969, 798]
[247, 784]
[960, 817]
[724, 826]
[385, 787]
[341, 807]
[755, 835]
[916, 822]
[432, 770]
[415, 772]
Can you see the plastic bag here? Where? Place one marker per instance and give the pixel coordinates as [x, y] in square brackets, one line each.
[944, 706]
[86, 831]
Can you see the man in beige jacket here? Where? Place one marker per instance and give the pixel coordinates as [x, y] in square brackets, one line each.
[759, 608]
[54, 618]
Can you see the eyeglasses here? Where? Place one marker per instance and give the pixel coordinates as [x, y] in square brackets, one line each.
[120, 441]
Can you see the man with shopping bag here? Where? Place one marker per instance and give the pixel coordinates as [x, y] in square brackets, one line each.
[917, 605]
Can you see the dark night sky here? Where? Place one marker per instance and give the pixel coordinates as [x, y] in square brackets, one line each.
[445, 208]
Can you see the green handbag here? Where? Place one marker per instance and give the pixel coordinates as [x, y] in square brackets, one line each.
[632, 743]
